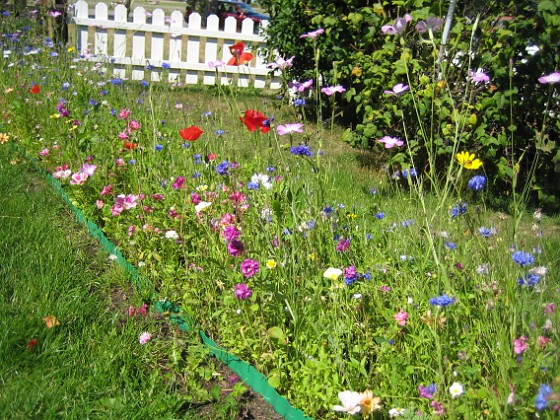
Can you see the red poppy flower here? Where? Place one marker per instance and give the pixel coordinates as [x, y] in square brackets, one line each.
[32, 343]
[239, 56]
[254, 119]
[34, 89]
[129, 145]
[191, 133]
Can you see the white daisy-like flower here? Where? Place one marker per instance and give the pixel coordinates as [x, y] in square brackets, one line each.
[350, 402]
[456, 389]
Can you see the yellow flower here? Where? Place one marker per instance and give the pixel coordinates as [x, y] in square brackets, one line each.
[71, 49]
[369, 403]
[351, 216]
[9, 90]
[468, 160]
[271, 264]
[4, 138]
[332, 273]
[356, 71]
[55, 116]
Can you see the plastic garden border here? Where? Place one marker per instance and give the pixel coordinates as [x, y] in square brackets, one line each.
[248, 374]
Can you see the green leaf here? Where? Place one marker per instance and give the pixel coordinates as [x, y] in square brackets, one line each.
[276, 332]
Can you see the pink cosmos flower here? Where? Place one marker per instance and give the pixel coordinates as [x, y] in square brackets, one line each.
[107, 189]
[215, 64]
[116, 209]
[289, 129]
[331, 90]
[520, 345]
[397, 90]
[144, 337]
[99, 204]
[127, 202]
[88, 169]
[391, 142]
[119, 162]
[55, 13]
[61, 174]
[78, 178]
[401, 318]
[479, 76]
[313, 34]
[133, 125]
[550, 78]
[398, 27]
[282, 64]
[44, 152]
[249, 267]
[543, 341]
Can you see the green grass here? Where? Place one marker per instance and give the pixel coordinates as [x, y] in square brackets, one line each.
[91, 365]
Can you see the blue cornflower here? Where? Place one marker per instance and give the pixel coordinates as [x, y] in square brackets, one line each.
[450, 245]
[524, 259]
[5, 13]
[116, 81]
[327, 211]
[541, 401]
[287, 232]
[196, 175]
[159, 147]
[65, 86]
[104, 92]
[219, 132]
[477, 182]
[380, 215]
[410, 171]
[197, 158]
[93, 102]
[529, 280]
[373, 191]
[301, 150]
[132, 161]
[270, 169]
[458, 210]
[369, 236]
[144, 83]
[487, 232]
[187, 146]
[442, 301]
[367, 276]
[53, 54]
[207, 114]
[311, 224]
[165, 65]
[113, 112]
[149, 67]
[253, 185]
[222, 167]
[299, 102]
[407, 223]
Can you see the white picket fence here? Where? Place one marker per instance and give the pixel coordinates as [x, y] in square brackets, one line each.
[154, 41]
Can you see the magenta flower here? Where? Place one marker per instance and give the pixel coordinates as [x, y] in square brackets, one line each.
[331, 90]
[439, 410]
[427, 392]
[44, 152]
[178, 182]
[401, 318]
[235, 248]
[144, 337]
[398, 27]
[343, 245]
[282, 64]
[242, 291]
[124, 114]
[520, 345]
[107, 189]
[391, 142]
[397, 90]
[249, 267]
[78, 178]
[313, 34]
[479, 76]
[289, 129]
[127, 202]
[230, 233]
[550, 78]
[55, 13]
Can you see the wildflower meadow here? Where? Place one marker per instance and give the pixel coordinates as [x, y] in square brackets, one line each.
[358, 283]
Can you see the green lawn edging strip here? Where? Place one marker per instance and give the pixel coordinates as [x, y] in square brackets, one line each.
[247, 373]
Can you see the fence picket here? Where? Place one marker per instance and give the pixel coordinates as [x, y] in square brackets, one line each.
[110, 34]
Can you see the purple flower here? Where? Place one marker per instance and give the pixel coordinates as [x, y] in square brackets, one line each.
[178, 182]
[442, 300]
[391, 141]
[397, 90]
[249, 267]
[398, 27]
[427, 392]
[550, 78]
[487, 232]
[222, 168]
[313, 34]
[541, 400]
[281, 64]
[479, 76]
[331, 90]
[301, 150]
[343, 245]
[289, 129]
[430, 24]
[301, 86]
[235, 248]
[477, 182]
[242, 291]
[88, 169]
[350, 275]
[230, 233]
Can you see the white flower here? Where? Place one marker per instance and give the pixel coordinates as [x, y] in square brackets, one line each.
[350, 402]
[456, 389]
[395, 412]
[357, 296]
[203, 205]
[171, 234]
[112, 257]
[262, 179]
[332, 273]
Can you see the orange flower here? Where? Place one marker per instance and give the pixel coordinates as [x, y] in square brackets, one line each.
[254, 119]
[239, 56]
[129, 145]
[34, 89]
[191, 133]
